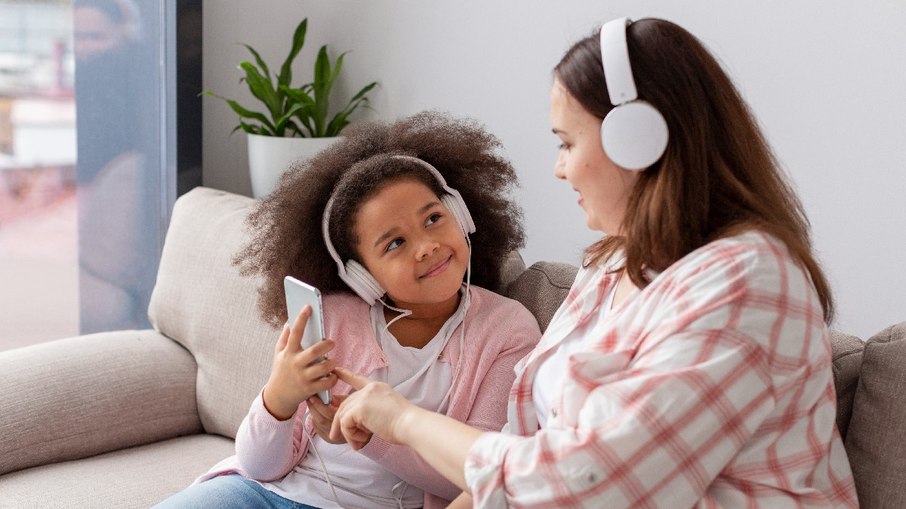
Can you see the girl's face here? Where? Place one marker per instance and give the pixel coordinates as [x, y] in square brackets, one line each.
[603, 187]
[412, 245]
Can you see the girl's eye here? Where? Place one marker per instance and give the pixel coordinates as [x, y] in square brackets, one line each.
[563, 146]
[433, 218]
[395, 243]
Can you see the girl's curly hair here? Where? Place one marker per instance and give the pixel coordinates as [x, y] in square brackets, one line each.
[285, 226]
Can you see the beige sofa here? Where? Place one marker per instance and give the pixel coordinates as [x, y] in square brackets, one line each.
[124, 419]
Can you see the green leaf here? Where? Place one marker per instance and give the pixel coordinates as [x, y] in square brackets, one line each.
[321, 86]
[261, 63]
[254, 129]
[340, 119]
[262, 88]
[307, 109]
[291, 126]
[286, 71]
[281, 123]
[360, 96]
[244, 113]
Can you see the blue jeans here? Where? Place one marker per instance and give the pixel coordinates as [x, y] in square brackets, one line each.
[228, 492]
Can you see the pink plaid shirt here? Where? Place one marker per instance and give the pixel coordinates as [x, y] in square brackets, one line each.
[712, 387]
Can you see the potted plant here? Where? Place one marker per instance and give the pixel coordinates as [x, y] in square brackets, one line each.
[296, 122]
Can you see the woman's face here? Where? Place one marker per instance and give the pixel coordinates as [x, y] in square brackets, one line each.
[603, 187]
[412, 245]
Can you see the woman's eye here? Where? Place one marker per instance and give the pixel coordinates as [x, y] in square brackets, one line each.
[433, 218]
[563, 146]
[395, 243]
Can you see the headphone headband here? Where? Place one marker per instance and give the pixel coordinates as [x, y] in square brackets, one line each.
[615, 57]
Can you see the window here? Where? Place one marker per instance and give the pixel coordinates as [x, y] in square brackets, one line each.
[88, 159]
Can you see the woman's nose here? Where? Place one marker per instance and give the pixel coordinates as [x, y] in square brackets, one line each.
[559, 170]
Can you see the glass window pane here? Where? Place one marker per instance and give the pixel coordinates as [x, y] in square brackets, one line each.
[82, 189]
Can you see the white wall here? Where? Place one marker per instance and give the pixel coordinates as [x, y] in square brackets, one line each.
[826, 79]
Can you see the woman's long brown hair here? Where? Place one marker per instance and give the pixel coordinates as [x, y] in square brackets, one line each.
[718, 176]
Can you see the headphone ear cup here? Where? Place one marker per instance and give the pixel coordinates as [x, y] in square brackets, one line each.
[362, 282]
[634, 135]
[460, 212]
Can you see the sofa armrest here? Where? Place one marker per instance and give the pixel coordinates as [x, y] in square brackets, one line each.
[87, 395]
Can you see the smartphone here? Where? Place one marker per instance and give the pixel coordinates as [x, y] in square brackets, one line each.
[298, 294]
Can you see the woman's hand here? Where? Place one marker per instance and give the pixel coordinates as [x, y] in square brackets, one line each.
[322, 416]
[295, 376]
[374, 408]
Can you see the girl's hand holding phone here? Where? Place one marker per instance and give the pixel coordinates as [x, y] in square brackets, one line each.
[322, 417]
[294, 378]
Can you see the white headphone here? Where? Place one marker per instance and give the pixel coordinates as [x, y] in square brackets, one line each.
[634, 133]
[354, 274]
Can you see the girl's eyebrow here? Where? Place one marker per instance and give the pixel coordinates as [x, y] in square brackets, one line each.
[389, 233]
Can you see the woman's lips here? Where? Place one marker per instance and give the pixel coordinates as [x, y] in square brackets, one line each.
[437, 268]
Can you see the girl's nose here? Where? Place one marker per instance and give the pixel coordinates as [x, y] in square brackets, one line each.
[426, 248]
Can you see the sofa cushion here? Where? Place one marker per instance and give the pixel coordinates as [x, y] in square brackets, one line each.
[201, 301]
[129, 478]
[874, 441]
[83, 396]
[542, 287]
[847, 362]
[513, 266]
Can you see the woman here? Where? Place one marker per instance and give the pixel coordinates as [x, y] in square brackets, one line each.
[690, 364]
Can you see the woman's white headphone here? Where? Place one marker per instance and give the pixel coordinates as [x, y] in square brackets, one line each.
[354, 274]
[634, 134]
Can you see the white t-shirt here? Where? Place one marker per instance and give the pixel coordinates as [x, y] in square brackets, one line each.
[359, 481]
[548, 384]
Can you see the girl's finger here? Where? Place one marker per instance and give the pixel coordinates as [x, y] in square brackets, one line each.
[325, 411]
[324, 384]
[319, 421]
[284, 336]
[314, 369]
[298, 328]
[355, 380]
[319, 349]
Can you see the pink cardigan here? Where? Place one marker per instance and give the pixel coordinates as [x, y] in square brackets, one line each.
[499, 332]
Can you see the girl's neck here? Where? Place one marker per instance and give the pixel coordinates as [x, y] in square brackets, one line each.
[418, 328]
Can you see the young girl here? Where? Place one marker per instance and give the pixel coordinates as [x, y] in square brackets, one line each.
[413, 218]
[690, 364]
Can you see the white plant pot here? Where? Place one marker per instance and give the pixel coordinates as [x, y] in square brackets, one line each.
[270, 156]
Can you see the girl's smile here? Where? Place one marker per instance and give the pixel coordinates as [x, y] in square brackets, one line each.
[438, 268]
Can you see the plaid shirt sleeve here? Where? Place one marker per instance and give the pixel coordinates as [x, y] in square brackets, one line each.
[711, 387]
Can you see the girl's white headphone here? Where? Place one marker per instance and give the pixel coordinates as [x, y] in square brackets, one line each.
[354, 274]
[634, 133]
